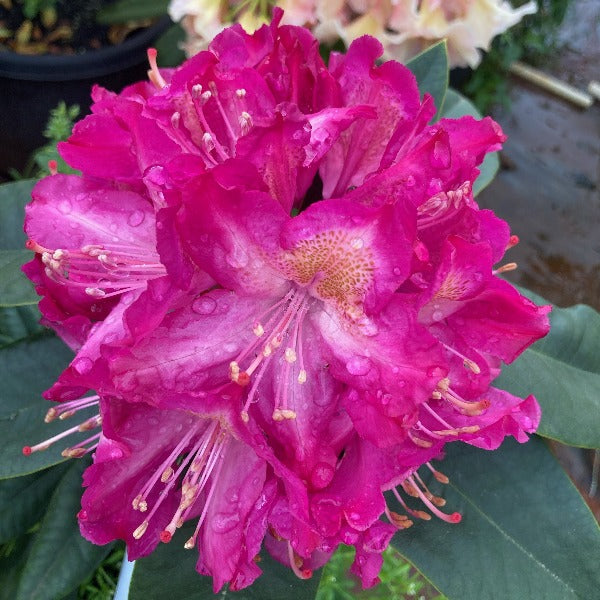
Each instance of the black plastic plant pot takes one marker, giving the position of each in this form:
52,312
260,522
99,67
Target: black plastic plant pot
30,86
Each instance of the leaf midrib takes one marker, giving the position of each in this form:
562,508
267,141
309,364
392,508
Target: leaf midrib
508,537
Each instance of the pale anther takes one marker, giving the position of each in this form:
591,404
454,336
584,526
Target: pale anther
290,355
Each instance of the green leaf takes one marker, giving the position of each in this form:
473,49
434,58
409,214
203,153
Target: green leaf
123,11
13,198
59,557
15,288
169,572
17,323
430,67
26,369
12,560
563,372
525,533
23,501
456,106
169,47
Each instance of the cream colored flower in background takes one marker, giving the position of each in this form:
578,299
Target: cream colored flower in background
405,27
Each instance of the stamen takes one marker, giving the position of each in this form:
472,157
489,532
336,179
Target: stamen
245,122
67,409
86,425
228,127
419,514
398,520
139,502
512,266
469,364
452,518
472,409
80,450
419,441
295,307
437,474
200,462
512,242
141,530
101,271
437,500
216,456
208,142
154,74
296,564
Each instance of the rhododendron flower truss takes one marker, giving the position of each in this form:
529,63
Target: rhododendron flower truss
288,303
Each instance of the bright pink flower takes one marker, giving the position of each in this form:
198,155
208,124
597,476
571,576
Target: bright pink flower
310,290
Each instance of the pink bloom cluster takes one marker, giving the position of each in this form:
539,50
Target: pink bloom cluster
276,281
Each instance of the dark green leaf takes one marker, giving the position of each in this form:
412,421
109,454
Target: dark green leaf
15,288
132,10
18,323
430,67
525,533
26,369
563,372
169,572
59,557
13,198
12,560
456,106
23,501
169,47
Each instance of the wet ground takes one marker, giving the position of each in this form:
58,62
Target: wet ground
549,187
549,190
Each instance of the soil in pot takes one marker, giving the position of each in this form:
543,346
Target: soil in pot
33,84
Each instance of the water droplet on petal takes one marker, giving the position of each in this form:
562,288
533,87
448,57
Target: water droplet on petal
440,156
65,207
222,523
358,365
83,365
127,298
136,218
230,347
321,475
437,315
437,372
237,258
205,305
357,243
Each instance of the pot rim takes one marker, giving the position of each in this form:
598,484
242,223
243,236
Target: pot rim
87,65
